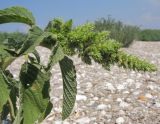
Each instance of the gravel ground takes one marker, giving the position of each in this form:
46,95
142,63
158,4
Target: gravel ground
109,97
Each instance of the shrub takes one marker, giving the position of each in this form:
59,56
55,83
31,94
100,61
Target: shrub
124,34
149,35
63,40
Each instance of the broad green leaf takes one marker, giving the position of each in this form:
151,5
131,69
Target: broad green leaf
31,42
36,104
4,90
16,14
69,86
5,57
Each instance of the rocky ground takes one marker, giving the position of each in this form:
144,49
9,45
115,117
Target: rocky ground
110,97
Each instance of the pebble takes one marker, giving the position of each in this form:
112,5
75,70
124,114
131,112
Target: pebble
157,104
120,87
148,95
123,104
130,80
81,97
84,120
95,98
110,87
101,107
120,120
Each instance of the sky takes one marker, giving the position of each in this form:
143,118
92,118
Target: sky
143,13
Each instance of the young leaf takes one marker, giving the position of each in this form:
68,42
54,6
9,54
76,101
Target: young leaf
35,94
16,14
69,86
31,41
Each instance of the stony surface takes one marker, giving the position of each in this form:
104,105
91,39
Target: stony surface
110,97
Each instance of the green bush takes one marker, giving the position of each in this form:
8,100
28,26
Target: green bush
149,35
122,33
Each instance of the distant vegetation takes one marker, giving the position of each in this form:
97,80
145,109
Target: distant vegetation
149,35
119,31
125,34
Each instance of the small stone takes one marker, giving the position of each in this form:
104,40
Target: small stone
58,109
157,104
81,97
120,87
95,98
121,112
130,80
142,98
58,122
150,87
103,112
126,92
61,122
120,120
138,85
139,75
110,87
148,95
136,93
84,120
101,107
119,100
91,103
123,104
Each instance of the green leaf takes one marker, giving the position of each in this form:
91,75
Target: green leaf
4,91
6,61
69,86
16,14
31,42
36,104
56,55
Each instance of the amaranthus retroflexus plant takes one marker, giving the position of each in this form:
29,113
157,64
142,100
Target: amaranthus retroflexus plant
32,88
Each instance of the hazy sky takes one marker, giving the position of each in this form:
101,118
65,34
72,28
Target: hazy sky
144,13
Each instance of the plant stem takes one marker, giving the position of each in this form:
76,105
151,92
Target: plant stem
11,108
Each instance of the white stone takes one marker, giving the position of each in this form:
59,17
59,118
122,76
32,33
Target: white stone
126,92
58,109
157,104
81,97
61,122
123,104
139,75
121,112
120,120
103,112
95,98
91,103
84,120
120,87
148,95
151,87
110,87
89,85
119,100
130,80
138,85
58,122
101,107
136,93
